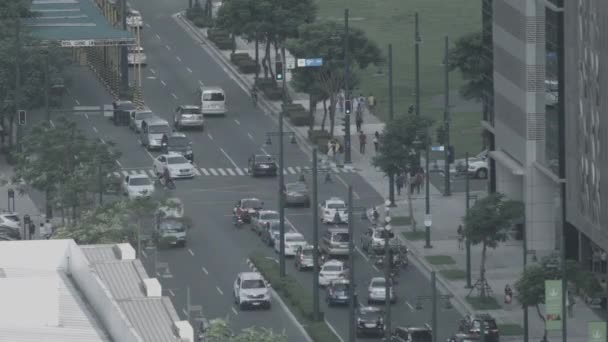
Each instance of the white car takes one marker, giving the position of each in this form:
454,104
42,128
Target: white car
136,56
138,185
292,242
10,220
134,19
250,289
174,208
376,291
330,207
178,166
332,270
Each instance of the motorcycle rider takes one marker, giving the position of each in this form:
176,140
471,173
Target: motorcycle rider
375,215
168,181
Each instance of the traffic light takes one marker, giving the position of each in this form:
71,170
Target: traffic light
450,154
348,106
279,70
410,109
346,124
22,117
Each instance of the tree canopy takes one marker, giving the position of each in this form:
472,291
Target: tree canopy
399,141
474,60
219,331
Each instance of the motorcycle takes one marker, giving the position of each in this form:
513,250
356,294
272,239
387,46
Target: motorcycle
237,220
167,184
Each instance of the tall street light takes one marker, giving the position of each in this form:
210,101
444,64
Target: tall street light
446,119
347,144
427,218
434,297
391,176
387,275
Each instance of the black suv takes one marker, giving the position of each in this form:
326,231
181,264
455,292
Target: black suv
412,334
178,143
370,321
472,325
262,164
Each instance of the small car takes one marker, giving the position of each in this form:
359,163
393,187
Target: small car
138,185
376,291
334,242
137,56
370,321
269,232
296,194
122,112
374,239
134,19
471,324
248,207
304,257
171,231
250,290
332,270
412,334
178,166
10,219
177,143
138,116
188,116
152,131
174,208
338,292
293,240
262,164
333,210
261,218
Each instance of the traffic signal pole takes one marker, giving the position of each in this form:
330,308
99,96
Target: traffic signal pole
347,154
446,121
391,176
352,330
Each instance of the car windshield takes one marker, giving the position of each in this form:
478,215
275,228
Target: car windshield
143,115
422,336
340,237
191,110
336,205
332,268
294,238
213,97
340,287
158,129
378,283
264,159
490,324
252,284
296,187
140,181
381,234
176,160
369,313
251,203
307,251
172,226
179,141
269,216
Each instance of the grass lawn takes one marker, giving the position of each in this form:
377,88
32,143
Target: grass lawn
489,303
510,329
453,274
414,236
392,21
440,260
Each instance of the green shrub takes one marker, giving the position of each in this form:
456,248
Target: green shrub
300,118
273,94
322,144
224,44
195,12
248,66
202,21
215,34
314,134
293,107
263,83
238,56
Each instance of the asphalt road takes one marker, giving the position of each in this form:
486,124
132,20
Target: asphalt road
217,251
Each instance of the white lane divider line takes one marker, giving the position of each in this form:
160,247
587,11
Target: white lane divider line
230,172
213,172
178,59
210,136
189,70
125,173
152,71
239,171
174,96
143,253
103,141
219,290
356,195
190,251
291,170
157,36
362,254
221,171
171,292
237,122
152,174
163,83
86,115
77,102
250,136
263,150
227,156
204,171
168,47
185,312
205,270
409,305
95,129
234,311
285,172
147,25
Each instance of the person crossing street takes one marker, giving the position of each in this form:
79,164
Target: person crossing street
362,142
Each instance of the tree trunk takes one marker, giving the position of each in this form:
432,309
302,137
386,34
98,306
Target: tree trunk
269,66
324,114
482,269
233,43
411,207
11,121
312,106
266,59
332,114
542,317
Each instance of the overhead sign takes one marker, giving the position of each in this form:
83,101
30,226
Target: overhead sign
290,63
77,43
597,331
310,62
437,148
553,304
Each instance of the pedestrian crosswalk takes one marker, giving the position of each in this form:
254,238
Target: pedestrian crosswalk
229,172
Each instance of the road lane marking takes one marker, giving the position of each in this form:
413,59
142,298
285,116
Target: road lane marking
250,136
362,254
189,70
291,170
409,305
179,59
157,36
185,312
376,268
356,195
205,172
163,83
331,327
77,102
263,150
171,293
95,129
125,173
102,141
201,83
239,171
174,96
190,251
227,156
210,136
147,25
196,172
144,254
205,270
213,172
86,115
237,122
230,172
168,47
152,71
221,171
234,311
52,123
119,164
219,290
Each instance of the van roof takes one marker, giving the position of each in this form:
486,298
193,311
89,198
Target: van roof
156,121
212,89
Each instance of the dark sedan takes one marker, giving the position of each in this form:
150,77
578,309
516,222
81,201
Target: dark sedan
296,194
412,334
262,165
370,321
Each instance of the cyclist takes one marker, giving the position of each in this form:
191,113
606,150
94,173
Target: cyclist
254,95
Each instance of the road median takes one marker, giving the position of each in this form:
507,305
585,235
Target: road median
298,300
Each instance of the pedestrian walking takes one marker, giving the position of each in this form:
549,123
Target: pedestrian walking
570,301
359,121
376,141
603,261
419,181
341,101
362,142
508,294
334,150
32,230
412,182
460,232
400,182
361,101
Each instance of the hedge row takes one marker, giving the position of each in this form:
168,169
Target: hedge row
221,39
244,62
297,114
297,298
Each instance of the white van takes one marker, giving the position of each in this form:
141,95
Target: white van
213,101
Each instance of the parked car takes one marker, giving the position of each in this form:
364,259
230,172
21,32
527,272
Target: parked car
262,164
188,116
177,143
261,218
138,185
251,290
412,334
296,194
370,321
334,242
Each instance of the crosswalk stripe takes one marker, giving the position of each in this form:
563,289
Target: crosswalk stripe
117,174
125,173
213,172
335,170
205,172
221,171
151,173
285,172
298,169
230,172
239,171
196,171
291,170
246,169
236,171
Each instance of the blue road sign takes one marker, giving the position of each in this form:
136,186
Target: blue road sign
313,62
437,148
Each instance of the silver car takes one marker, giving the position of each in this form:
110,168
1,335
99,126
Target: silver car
188,116
138,117
152,132
376,292
296,194
263,218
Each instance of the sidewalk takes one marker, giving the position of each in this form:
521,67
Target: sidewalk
504,264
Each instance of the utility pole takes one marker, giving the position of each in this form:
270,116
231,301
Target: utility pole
188,303
124,61
352,333
46,88
417,42
468,199
446,120
427,219
315,236
525,246
18,83
281,197
347,156
387,278
434,303
391,114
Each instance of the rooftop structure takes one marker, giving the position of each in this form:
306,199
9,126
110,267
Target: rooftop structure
55,290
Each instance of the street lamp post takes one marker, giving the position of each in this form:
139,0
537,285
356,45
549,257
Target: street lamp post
427,219
446,119
468,199
391,176
434,297
351,272
387,276
347,144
